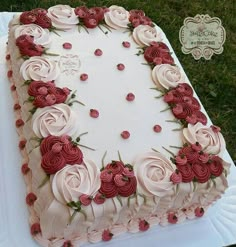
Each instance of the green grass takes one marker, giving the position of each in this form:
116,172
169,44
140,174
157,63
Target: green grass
214,80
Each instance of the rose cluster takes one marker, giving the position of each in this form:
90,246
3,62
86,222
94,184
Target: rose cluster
27,47
57,152
46,93
137,17
184,106
90,17
117,179
37,16
196,165
158,53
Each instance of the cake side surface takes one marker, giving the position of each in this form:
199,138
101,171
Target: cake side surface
94,135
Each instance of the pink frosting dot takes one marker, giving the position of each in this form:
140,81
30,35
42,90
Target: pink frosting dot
67,45
98,52
157,128
94,113
83,77
126,44
130,97
125,134
120,66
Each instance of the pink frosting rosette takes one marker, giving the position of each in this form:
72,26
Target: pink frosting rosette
62,16
41,35
209,138
167,76
39,69
71,182
153,171
117,17
55,120
143,35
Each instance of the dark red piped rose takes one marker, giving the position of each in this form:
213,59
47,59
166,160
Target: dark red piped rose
72,154
52,163
108,189
216,166
201,172
129,187
186,172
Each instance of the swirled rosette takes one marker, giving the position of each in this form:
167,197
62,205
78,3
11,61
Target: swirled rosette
143,35
57,120
167,76
71,182
153,171
39,69
117,17
62,17
210,138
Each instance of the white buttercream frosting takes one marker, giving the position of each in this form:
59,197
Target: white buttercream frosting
57,120
62,16
167,76
39,69
153,171
117,17
41,35
143,35
72,181
211,141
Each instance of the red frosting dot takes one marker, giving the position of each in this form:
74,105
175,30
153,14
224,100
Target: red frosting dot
25,168
126,44
17,107
157,128
35,229
83,77
98,52
67,244
9,73
125,134
13,87
19,123
94,113
130,97
22,144
67,45
31,198
8,57
120,66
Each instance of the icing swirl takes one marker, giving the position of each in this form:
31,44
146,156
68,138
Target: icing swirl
153,171
167,76
41,36
117,17
211,141
56,120
39,69
62,16
73,181
143,35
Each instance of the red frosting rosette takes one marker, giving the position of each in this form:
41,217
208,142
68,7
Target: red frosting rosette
158,53
183,105
137,17
57,152
194,164
117,180
37,16
47,94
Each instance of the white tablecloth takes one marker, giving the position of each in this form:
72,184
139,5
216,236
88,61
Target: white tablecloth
217,228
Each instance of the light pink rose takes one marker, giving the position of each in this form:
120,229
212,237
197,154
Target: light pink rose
73,181
62,16
39,69
56,120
